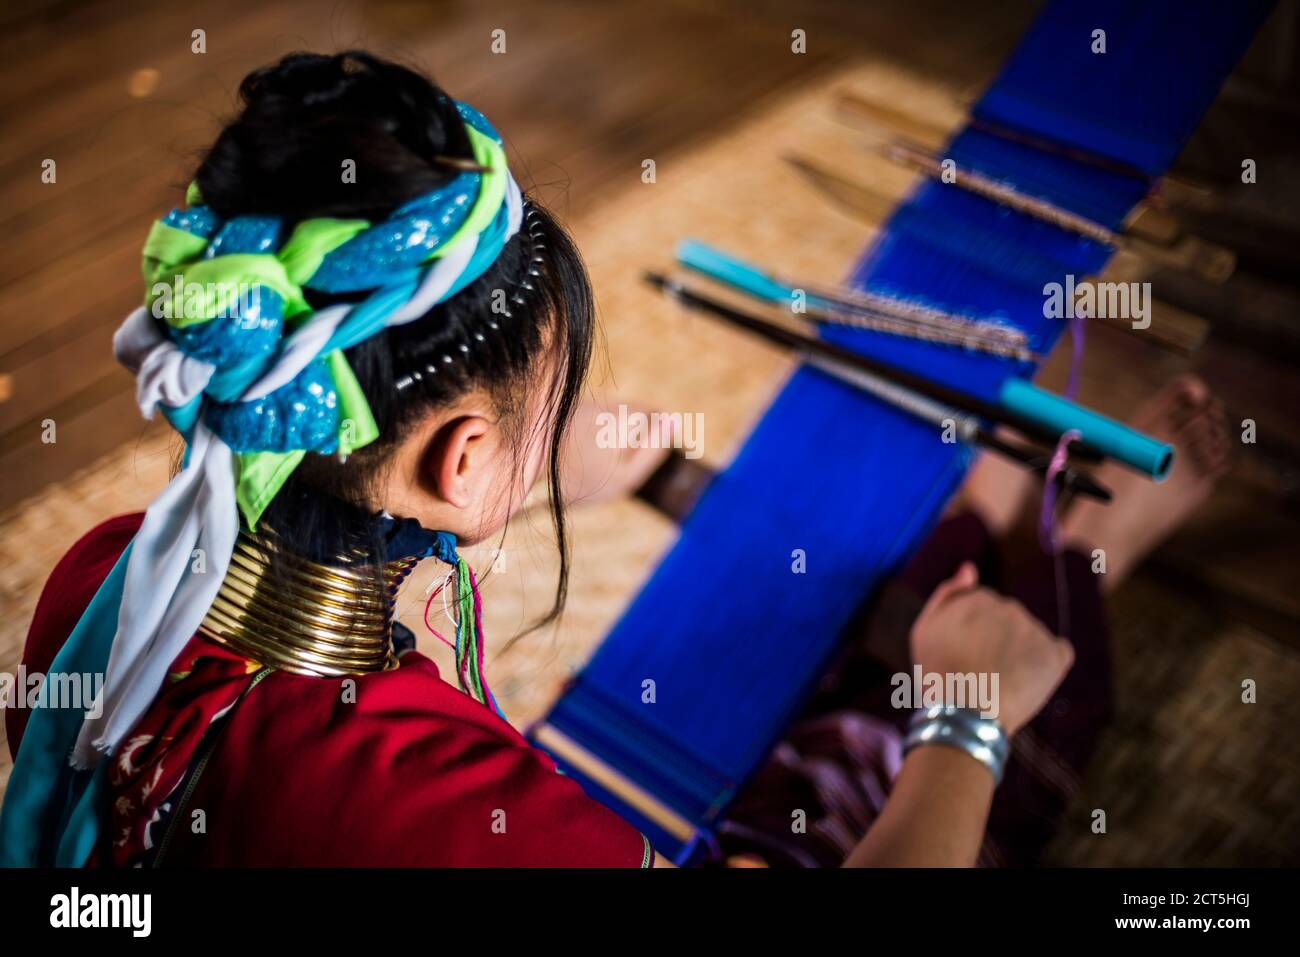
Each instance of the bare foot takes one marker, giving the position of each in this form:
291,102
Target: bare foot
593,469
1144,513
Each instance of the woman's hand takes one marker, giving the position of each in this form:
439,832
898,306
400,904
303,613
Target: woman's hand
939,804
967,629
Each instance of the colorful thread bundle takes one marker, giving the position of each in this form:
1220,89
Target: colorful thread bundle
469,642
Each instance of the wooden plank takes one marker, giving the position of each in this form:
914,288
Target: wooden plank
97,420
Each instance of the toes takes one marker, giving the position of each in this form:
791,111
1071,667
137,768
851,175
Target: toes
1190,400
1220,448
1186,391
1192,388
1214,411
1205,439
1200,449
1180,399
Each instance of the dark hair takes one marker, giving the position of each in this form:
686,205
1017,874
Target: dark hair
283,154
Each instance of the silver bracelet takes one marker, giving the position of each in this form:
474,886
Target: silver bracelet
962,728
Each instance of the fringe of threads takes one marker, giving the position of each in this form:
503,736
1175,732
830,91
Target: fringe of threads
469,638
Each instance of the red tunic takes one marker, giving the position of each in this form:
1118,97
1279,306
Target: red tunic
407,771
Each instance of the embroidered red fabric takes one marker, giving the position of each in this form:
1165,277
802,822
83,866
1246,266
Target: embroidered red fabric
396,768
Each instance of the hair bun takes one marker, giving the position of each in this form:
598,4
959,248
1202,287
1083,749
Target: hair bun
310,118
308,79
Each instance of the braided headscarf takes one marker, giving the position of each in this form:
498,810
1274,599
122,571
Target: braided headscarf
229,349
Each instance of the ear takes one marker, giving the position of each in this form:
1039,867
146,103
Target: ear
457,458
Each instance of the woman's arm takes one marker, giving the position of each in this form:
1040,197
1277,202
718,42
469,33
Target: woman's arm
935,815
934,818
939,804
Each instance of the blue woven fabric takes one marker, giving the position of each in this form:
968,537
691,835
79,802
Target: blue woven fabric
1138,102
733,639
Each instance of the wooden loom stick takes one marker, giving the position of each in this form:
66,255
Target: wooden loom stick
1211,262
613,781
862,308
1145,221
909,154
1149,219
923,333
1180,331
928,401
773,311
1174,329
840,304
1171,189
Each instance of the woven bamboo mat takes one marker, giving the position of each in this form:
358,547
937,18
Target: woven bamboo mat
1184,774
1187,773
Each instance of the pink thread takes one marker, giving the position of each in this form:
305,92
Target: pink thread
478,631
1047,530
1048,535
463,661
1076,356
427,605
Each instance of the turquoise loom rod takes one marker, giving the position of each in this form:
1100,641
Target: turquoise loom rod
723,267
1055,413
1104,434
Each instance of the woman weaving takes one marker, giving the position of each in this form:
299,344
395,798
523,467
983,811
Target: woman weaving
409,362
